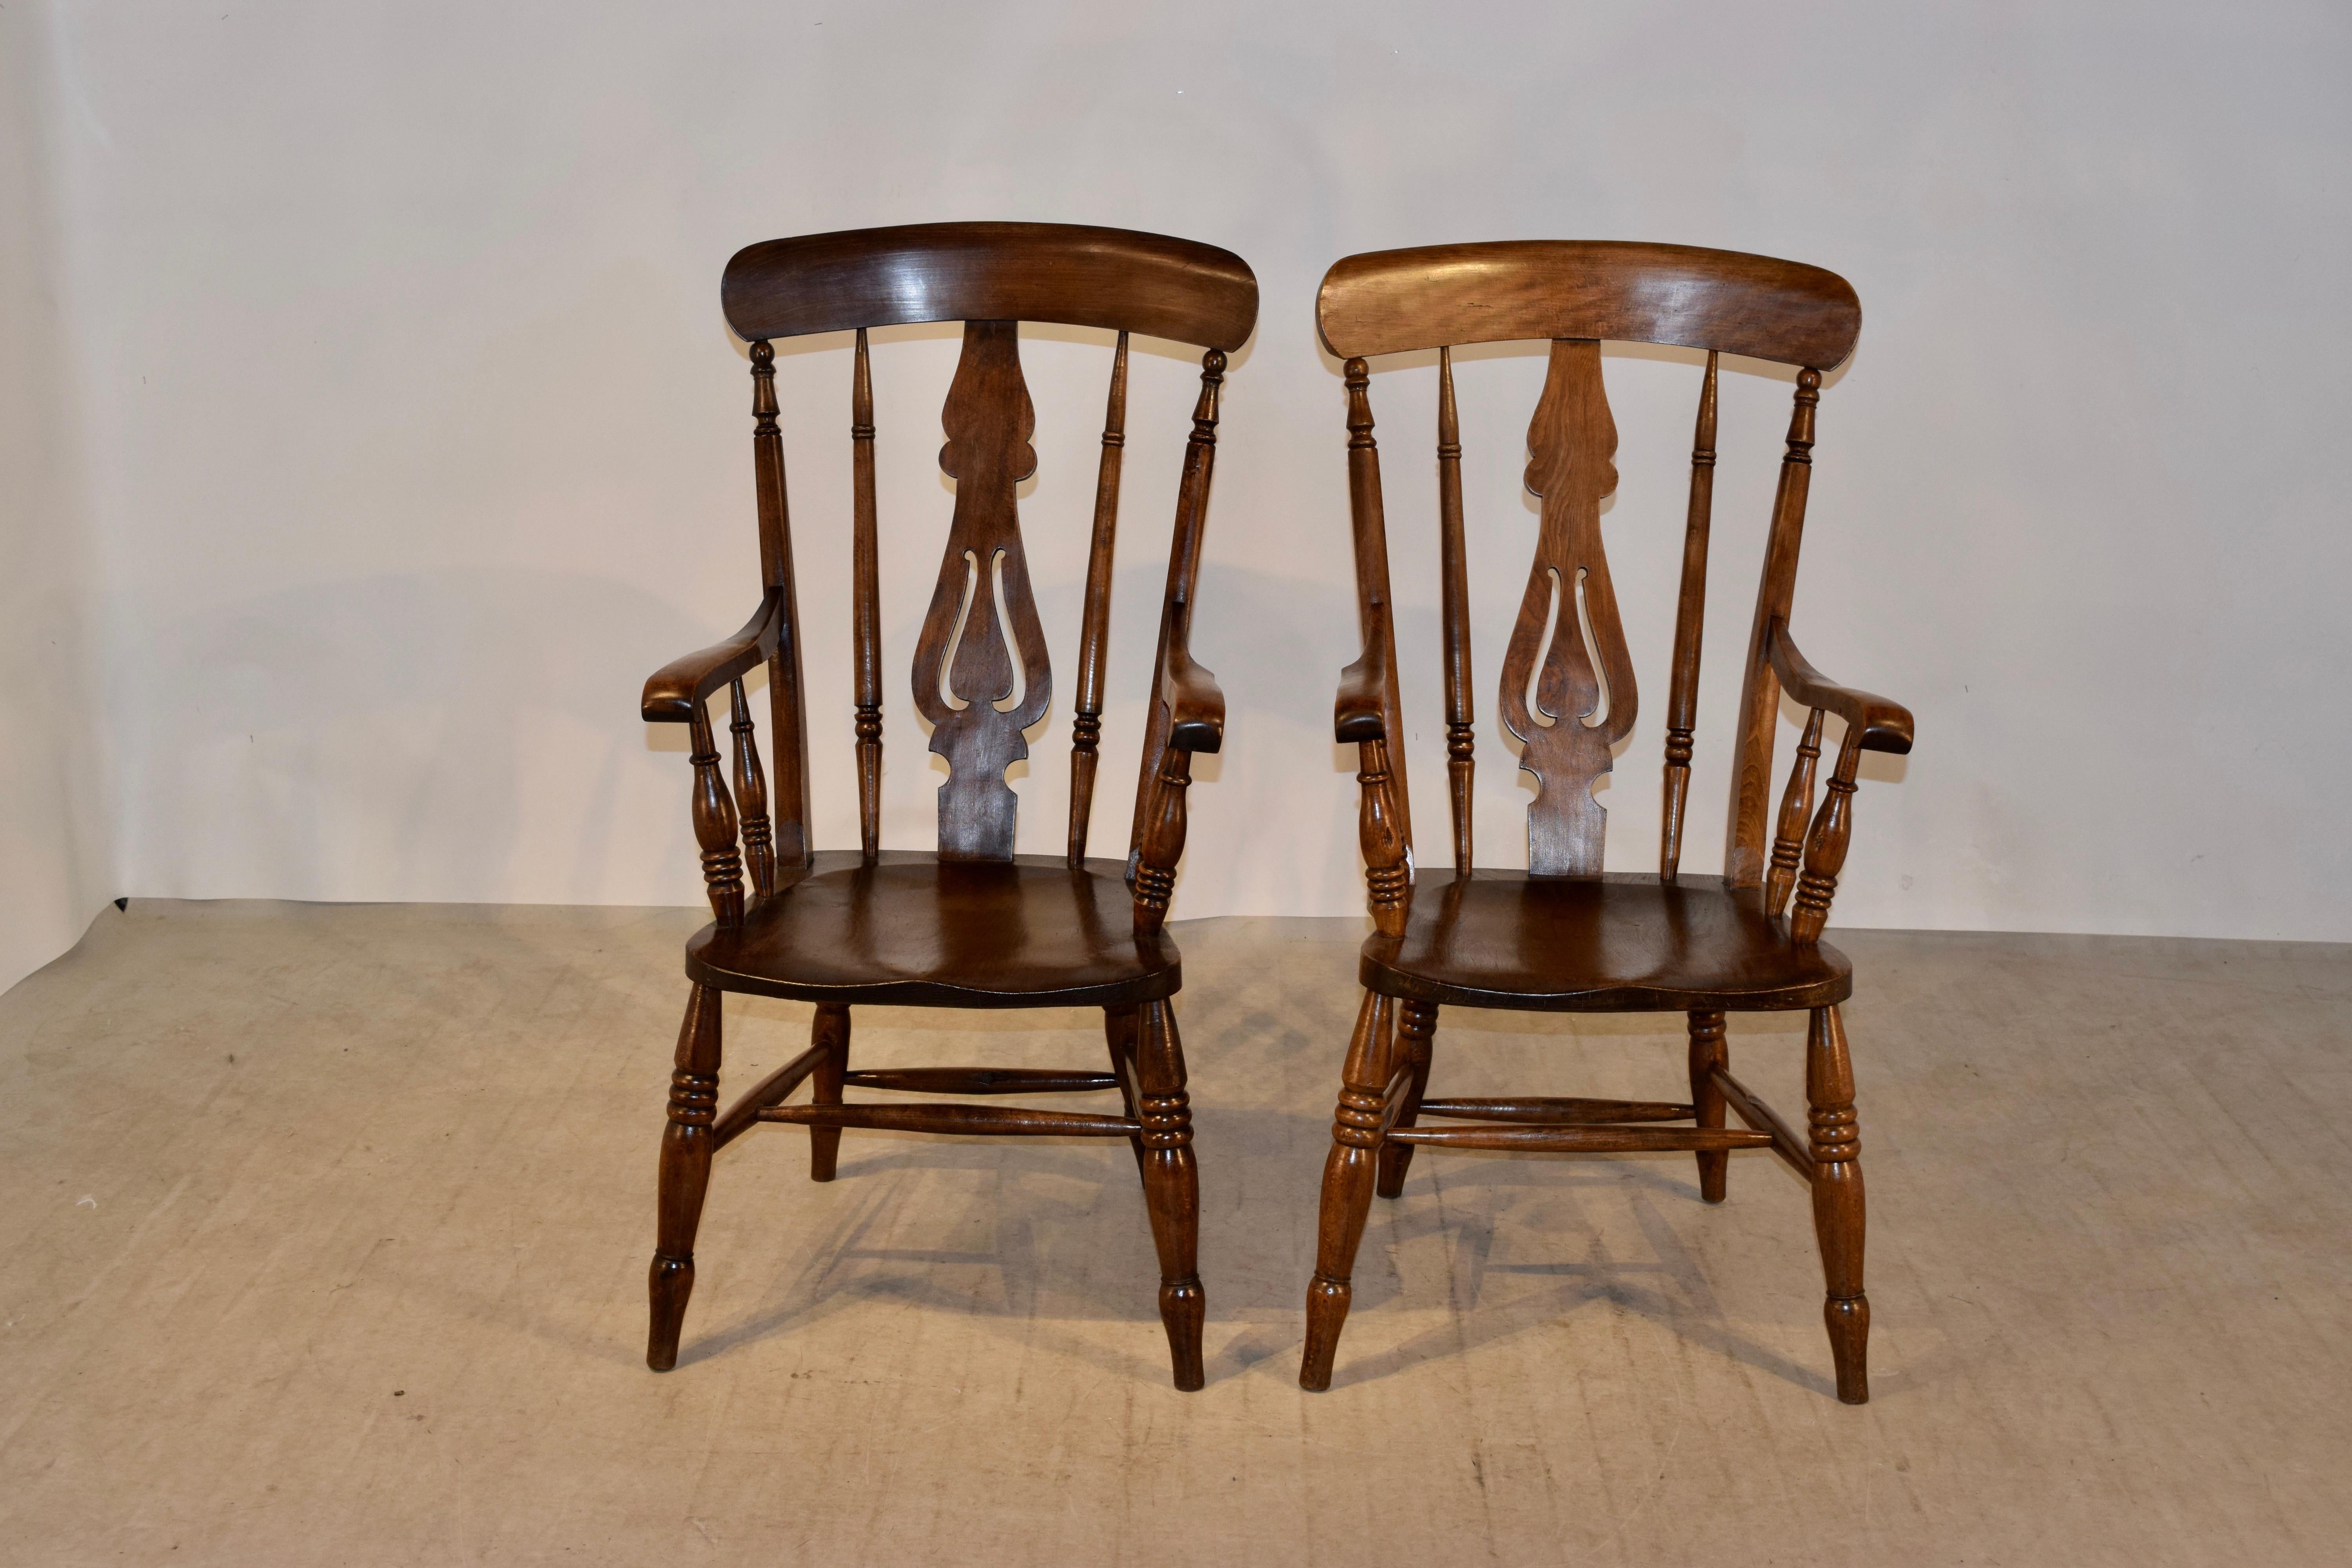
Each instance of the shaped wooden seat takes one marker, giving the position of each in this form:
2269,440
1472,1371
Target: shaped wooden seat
1624,943
911,929
970,924
1563,935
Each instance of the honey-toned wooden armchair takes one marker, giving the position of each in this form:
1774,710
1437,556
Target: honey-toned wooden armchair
967,924
1563,935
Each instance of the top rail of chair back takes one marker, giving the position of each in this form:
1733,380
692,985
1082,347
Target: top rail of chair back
1077,275
1436,296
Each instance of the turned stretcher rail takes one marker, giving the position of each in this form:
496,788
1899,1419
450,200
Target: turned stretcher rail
969,1120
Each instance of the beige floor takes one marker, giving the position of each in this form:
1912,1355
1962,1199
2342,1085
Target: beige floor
323,1235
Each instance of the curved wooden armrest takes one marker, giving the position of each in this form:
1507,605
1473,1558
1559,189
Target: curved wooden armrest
1884,725
1196,707
1361,712
679,687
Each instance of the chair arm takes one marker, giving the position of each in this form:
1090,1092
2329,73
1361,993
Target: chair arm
678,689
1884,725
1196,707
1361,711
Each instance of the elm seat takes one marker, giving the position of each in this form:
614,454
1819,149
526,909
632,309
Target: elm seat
1622,942
911,929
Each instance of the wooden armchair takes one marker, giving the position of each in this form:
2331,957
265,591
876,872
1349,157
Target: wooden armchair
1564,936
970,924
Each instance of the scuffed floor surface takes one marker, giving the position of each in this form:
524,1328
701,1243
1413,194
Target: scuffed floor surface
323,1235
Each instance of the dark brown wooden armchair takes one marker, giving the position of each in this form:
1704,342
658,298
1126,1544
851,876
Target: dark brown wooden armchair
1564,936
970,924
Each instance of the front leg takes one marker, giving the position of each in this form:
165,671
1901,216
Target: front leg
1348,1177
1171,1187
1837,1200
686,1150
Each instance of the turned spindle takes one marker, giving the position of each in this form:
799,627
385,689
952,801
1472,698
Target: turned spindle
1690,621
1461,735
865,613
1796,813
714,824
1745,849
1825,847
1094,630
752,796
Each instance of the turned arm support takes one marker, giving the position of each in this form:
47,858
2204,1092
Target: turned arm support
1360,717
676,690
732,840
1872,724
1884,725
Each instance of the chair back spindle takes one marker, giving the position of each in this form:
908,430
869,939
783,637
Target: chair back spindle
1744,859
1690,625
1166,768
1086,725
786,709
867,605
1454,568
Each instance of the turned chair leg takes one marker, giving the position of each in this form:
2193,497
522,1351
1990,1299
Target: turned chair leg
1416,1022
1837,1200
1348,1177
1119,1033
831,1031
686,1150
1171,1186
1709,1053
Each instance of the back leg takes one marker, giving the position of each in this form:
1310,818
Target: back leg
686,1149
830,1030
1171,1187
1119,1033
1709,1053
1416,1022
1837,1200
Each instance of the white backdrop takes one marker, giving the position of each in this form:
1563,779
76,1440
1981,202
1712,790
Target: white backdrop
407,438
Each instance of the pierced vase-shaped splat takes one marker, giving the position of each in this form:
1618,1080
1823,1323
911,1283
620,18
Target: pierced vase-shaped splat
981,672
1568,645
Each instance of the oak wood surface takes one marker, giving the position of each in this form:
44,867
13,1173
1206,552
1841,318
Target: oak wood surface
1068,273
908,928
1622,942
1393,301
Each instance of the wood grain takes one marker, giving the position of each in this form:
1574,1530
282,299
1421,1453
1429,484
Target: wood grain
1393,301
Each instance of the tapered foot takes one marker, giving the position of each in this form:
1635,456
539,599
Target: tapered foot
1849,1325
1327,1314
667,1286
1184,1314
1709,1053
